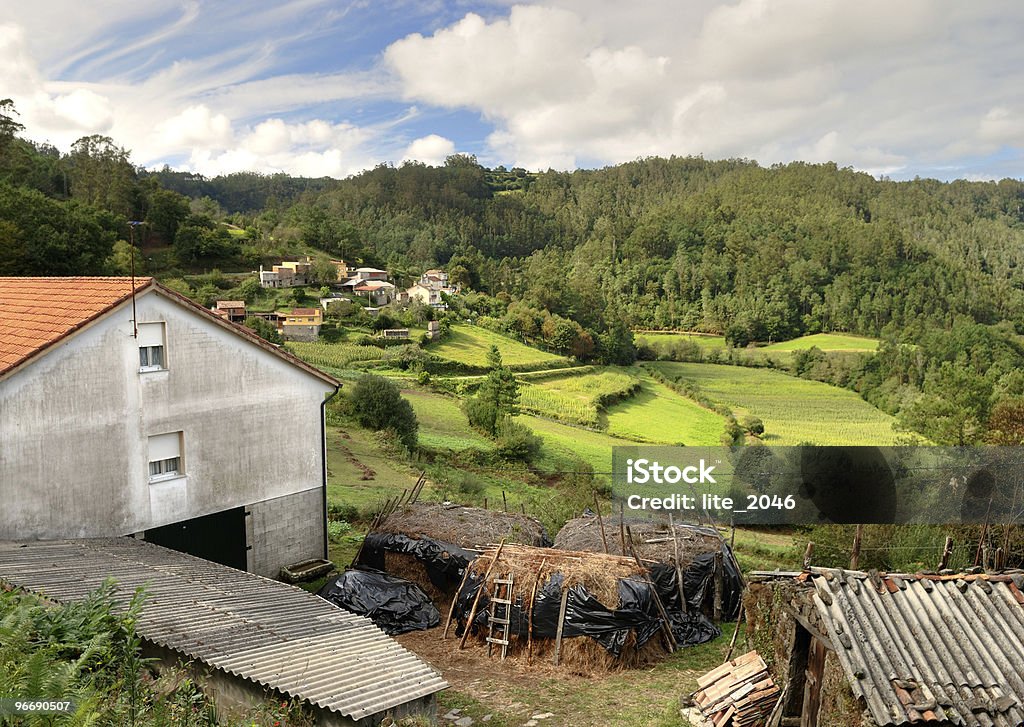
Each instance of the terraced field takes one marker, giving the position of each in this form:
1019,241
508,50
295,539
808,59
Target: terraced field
826,342
576,399
469,345
659,415
442,423
661,338
793,410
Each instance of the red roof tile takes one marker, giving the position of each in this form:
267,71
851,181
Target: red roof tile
37,312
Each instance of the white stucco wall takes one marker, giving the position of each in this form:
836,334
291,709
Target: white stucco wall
74,428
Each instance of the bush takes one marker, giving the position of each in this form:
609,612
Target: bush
378,404
482,414
264,330
753,425
337,529
517,442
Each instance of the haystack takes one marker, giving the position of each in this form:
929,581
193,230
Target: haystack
712,578
652,540
431,544
634,630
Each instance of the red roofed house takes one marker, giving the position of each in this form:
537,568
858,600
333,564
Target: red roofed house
149,415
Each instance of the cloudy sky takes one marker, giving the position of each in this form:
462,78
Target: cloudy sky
916,87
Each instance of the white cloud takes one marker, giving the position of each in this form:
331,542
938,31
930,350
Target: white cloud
431,150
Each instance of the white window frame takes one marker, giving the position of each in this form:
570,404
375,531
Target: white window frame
152,339
167,462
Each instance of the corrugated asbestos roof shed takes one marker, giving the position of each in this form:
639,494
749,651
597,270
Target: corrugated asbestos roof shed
928,648
270,633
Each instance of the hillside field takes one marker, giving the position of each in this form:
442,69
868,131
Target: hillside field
827,342
469,345
793,410
656,414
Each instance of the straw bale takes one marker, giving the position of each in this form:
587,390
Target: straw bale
584,533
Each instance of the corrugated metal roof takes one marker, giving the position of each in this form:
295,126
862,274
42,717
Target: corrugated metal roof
267,632
928,648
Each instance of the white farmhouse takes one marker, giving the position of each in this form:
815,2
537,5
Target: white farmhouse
130,410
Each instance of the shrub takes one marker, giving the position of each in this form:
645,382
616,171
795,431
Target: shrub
378,404
264,330
753,425
517,442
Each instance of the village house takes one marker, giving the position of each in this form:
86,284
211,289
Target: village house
372,284
302,324
230,310
430,288
288,274
877,649
130,410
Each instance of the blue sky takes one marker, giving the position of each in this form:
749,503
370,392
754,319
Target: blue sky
314,87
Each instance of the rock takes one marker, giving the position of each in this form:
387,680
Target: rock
543,715
453,715
486,718
531,723
464,722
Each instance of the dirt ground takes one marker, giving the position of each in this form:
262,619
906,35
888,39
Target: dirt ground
514,693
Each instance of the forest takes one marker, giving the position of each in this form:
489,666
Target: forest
574,262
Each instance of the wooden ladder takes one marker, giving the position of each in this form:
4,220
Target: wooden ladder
499,615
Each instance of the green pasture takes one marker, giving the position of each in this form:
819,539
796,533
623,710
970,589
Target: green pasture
469,345
827,342
793,410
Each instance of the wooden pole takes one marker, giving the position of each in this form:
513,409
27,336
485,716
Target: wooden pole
529,615
719,586
855,555
732,641
984,532
600,521
485,503
561,620
666,627
947,551
622,530
451,611
480,590
522,506
679,569
808,555
504,501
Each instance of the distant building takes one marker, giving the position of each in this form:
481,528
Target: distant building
433,329
342,267
396,334
302,324
371,274
288,274
231,310
132,410
430,289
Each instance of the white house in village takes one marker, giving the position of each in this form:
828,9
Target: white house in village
430,288
134,411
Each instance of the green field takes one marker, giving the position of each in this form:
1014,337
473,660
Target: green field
469,345
826,342
575,399
563,444
793,410
659,415
442,423
334,355
706,341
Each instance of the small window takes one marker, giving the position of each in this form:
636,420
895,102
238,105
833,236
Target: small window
165,460
151,347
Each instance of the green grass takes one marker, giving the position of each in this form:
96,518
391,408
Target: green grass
659,415
442,423
564,444
793,410
469,345
827,342
576,399
706,341
345,478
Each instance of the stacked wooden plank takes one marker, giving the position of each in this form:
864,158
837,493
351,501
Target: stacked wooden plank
738,693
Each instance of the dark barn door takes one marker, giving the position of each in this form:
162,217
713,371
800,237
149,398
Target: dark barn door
219,537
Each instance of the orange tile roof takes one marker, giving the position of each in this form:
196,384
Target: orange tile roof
35,313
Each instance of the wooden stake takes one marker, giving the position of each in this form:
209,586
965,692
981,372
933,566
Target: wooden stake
476,599
622,530
600,521
504,501
719,586
679,569
522,506
808,555
529,615
485,503
666,627
561,620
947,551
732,641
855,555
451,611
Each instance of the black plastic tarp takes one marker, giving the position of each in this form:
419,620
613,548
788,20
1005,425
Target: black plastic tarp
444,562
394,604
586,616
